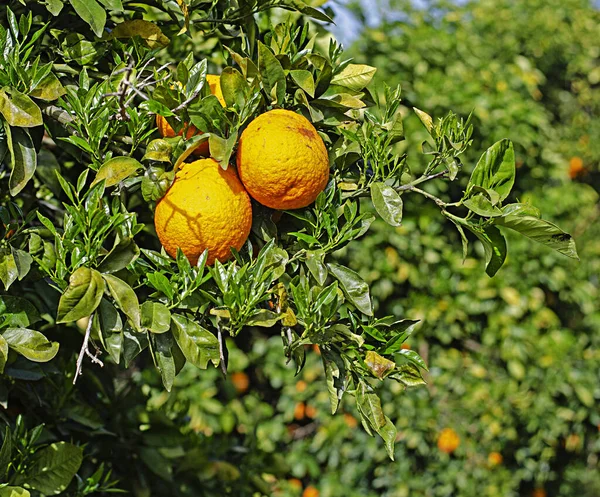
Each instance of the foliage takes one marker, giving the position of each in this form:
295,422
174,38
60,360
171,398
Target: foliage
79,263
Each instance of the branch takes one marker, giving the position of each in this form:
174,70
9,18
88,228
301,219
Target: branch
86,351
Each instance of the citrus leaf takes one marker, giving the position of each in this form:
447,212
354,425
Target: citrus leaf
335,376
233,86
149,32
197,343
17,312
92,13
271,73
156,317
304,79
115,170
425,119
3,359
162,354
541,231
82,296
54,6
158,150
23,158
379,366
495,169
120,256
48,89
8,268
387,203
354,76
14,492
30,344
19,110
125,298
494,246
481,205
264,318
52,468
354,287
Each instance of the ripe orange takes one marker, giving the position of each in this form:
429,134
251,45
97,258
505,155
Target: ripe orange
311,411
282,160
575,167
448,441
240,381
166,130
299,411
301,386
205,208
350,421
538,492
310,491
495,459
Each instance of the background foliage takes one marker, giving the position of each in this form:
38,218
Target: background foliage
513,360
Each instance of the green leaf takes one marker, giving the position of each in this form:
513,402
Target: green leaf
197,343
413,357
92,13
221,149
121,255
379,366
541,231
233,86
369,407
115,170
82,296
158,150
354,287
264,318
14,492
335,376
425,119
19,110
52,468
304,79
316,266
495,169
125,298
48,89
149,32
387,203
409,375
354,76
156,182
8,268
156,317
17,312
271,73
133,344
30,344
163,358
113,4
494,246
5,453
23,159
54,6
482,206
3,359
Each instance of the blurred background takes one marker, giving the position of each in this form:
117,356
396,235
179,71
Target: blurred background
511,408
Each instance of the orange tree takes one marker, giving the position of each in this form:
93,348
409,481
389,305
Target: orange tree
86,283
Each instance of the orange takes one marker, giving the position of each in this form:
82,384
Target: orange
205,208
282,160
240,381
299,411
575,167
448,441
301,386
350,421
538,492
405,346
495,458
311,412
310,491
166,130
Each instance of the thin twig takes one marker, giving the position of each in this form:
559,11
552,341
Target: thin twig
186,103
221,351
85,351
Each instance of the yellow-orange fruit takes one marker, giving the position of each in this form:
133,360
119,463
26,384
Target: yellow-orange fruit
448,441
296,483
495,458
214,82
205,208
282,161
538,492
575,167
310,491
299,411
240,381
